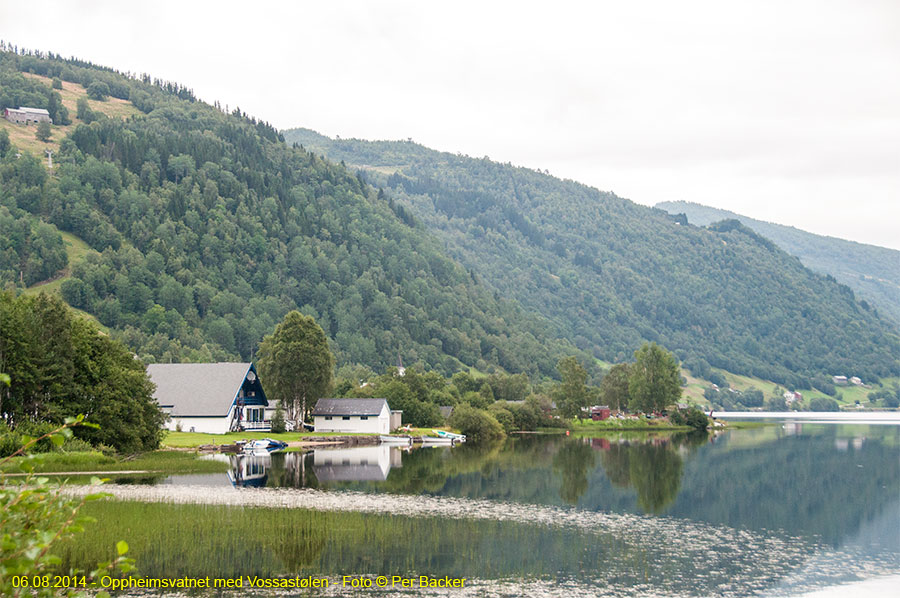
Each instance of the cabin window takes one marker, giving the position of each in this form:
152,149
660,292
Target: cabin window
328,417
346,418
363,417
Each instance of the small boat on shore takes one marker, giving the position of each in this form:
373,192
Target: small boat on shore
450,435
396,440
264,445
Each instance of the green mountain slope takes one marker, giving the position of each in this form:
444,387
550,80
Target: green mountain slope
208,229
611,273
872,272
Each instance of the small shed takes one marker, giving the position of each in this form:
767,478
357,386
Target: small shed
600,413
352,415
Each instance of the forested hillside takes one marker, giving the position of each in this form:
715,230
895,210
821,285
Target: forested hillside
612,273
872,272
207,229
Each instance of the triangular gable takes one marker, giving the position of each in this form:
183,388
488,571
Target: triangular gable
198,389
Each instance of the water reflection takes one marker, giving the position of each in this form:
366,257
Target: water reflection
818,480
357,464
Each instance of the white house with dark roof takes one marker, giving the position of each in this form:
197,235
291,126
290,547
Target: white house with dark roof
352,415
210,397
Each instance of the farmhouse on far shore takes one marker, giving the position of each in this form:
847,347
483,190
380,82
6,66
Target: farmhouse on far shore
26,116
355,415
210,397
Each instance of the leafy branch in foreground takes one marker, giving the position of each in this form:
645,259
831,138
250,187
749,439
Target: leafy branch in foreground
36,515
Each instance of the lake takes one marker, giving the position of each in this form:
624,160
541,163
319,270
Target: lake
789,509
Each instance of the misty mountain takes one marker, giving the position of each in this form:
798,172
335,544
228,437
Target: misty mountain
612,274
872,272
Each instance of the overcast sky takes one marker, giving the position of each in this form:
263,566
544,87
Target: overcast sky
786,111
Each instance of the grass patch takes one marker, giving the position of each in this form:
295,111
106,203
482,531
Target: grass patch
23,137
112,107
195,439
156,461
639,423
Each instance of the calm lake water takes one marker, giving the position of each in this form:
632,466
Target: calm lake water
781,510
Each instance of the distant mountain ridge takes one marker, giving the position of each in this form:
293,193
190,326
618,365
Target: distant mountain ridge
613,274
872,272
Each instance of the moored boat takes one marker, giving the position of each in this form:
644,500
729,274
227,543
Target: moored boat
398,440
451,435
266,445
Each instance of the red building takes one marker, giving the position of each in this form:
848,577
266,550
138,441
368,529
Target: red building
599,413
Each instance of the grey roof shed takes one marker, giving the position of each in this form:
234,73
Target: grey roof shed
349,406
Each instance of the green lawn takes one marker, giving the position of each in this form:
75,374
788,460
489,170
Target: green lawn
195,439
639,423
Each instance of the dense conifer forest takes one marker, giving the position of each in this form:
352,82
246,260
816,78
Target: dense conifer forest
872,272
612,273
206,228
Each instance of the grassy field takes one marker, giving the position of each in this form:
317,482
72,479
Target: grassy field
23,137
637,423
156,461
195,439
70,92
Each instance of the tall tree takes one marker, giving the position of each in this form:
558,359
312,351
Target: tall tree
296,364
655,381
60,365
572,393
614,386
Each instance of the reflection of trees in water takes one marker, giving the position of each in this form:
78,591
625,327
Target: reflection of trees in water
653,469
572,463
300,545
292,470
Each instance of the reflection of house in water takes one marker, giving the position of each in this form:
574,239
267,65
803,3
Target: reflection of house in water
792,428
249,471
355,464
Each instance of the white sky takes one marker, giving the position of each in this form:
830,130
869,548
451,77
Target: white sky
783,110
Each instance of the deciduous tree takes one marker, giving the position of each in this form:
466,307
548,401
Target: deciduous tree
654,382
296,365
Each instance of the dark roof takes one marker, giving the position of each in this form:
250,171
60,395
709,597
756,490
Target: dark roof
198,389
349,406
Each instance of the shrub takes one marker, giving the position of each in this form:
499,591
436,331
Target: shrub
692,417
37,515
98,90
278,425
476,424
77,445
503,416
823,404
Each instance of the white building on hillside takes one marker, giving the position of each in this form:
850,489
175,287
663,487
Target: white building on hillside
26,116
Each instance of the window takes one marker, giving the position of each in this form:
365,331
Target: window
363,417
346,418
328,417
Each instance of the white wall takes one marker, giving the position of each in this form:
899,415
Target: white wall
209,425
377,425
